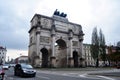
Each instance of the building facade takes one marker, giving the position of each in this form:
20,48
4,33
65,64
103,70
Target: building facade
3,52
89,61
54,41
113,55
21,59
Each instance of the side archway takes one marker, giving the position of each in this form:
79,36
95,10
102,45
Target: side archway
44,57
75,58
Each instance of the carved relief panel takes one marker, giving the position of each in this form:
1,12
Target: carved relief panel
46,23
75,43
61,26
44,39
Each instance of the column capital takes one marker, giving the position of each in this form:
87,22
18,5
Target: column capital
80,40
69,38
38,32
53,35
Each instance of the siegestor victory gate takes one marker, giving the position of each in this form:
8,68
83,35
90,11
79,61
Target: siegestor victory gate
54,41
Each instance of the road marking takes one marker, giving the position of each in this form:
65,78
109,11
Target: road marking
106,77
43,77
83,75
69,75
86,76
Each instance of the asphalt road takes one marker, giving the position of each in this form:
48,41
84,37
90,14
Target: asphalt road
60,75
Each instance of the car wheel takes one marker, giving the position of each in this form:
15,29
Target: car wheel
21,74
2,76
33,75
15,73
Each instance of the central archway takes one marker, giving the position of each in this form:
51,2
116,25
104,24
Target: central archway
44,57
61,51
61,43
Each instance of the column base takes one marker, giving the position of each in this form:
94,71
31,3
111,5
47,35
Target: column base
70,62
53,62
81,62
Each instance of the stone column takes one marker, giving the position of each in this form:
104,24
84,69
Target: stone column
53,58
80,58
71,48
38,39
53,45
81,50
37,60
70,60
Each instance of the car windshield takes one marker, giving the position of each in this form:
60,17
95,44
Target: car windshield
6,65
26,66
0,67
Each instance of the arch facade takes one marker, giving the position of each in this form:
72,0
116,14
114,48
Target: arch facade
56,41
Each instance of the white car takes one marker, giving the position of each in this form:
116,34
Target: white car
6,66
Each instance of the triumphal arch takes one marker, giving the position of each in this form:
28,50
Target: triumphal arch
54,41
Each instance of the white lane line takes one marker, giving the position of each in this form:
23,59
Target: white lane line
86,76
83,75
108,78
43,77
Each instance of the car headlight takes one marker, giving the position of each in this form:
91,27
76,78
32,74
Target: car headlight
25,70
34,70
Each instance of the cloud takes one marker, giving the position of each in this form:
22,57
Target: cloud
105,15
14,23
15,18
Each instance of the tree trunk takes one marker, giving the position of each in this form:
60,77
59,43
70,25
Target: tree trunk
97,63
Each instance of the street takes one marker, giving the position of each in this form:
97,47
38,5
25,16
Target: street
63,75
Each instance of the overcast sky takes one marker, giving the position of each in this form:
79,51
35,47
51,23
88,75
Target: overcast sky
15,16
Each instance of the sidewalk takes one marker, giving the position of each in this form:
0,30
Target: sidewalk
112,72
75,69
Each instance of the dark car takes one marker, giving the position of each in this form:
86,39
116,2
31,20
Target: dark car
2,73
118,65
24,70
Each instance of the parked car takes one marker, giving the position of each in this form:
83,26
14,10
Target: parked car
6,66
118,65
24,70
2,73
12,65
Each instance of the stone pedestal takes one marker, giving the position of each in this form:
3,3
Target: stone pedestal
53,62
70,62
81,62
